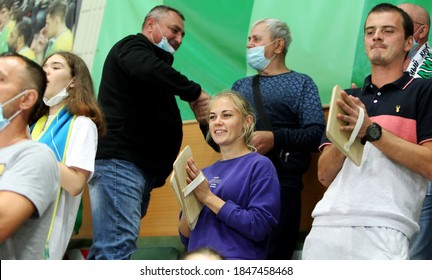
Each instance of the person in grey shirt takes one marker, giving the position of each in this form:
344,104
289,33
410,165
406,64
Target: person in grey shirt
29,175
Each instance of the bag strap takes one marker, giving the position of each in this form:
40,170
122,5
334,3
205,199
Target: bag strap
259,105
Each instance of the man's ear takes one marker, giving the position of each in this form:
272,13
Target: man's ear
424,32
409,43
58,20
281,46
29,99
150,24
21,41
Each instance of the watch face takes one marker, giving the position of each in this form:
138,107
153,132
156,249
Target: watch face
375,133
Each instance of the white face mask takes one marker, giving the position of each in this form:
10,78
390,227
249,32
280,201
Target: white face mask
256,58
164,44
59,97
3,121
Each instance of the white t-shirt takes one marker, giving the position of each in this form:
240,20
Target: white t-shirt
375,199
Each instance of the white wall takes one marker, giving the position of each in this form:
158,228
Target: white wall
87,30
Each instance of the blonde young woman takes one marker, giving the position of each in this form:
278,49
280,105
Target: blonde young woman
241,193
70,124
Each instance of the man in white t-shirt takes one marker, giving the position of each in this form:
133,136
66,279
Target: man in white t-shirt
371,211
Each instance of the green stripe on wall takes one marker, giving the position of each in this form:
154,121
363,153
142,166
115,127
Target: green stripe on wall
212,53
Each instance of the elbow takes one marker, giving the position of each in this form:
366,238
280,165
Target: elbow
323,175
263,232
4,234
424,164
428,174
328,168
424,168
258,236
323,179
78,191
427,169
3,238
75,191
324,182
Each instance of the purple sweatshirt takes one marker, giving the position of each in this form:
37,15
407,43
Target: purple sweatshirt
250,187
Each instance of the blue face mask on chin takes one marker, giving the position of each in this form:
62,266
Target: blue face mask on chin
3,121
164,44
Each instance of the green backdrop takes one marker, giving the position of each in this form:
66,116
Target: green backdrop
327,38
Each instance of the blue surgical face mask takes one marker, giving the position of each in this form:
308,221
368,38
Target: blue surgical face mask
256,57
164,44
413,50
3,121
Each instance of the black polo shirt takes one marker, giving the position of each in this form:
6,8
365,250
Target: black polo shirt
403,107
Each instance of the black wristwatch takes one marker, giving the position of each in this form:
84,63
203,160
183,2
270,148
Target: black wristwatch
373,133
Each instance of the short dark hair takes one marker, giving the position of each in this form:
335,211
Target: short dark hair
25,29
8,4
33,77
406,19
58,8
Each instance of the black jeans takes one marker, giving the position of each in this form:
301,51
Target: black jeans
284,237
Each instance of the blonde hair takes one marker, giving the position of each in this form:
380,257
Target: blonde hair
203,253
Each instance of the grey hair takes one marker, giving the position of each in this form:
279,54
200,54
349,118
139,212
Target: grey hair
160,11
278,29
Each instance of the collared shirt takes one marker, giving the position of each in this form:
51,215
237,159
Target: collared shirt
399,107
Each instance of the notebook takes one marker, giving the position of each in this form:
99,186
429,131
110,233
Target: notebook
189,203
347,142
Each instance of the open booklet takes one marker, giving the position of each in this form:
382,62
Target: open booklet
347,142
189,203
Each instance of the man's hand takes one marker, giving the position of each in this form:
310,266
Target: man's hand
263,141
199,107
350,105
39,45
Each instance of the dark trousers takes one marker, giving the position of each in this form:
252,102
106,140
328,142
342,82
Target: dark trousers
283,238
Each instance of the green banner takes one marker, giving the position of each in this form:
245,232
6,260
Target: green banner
327,38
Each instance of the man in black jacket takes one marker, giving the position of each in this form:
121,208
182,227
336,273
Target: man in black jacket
144,129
